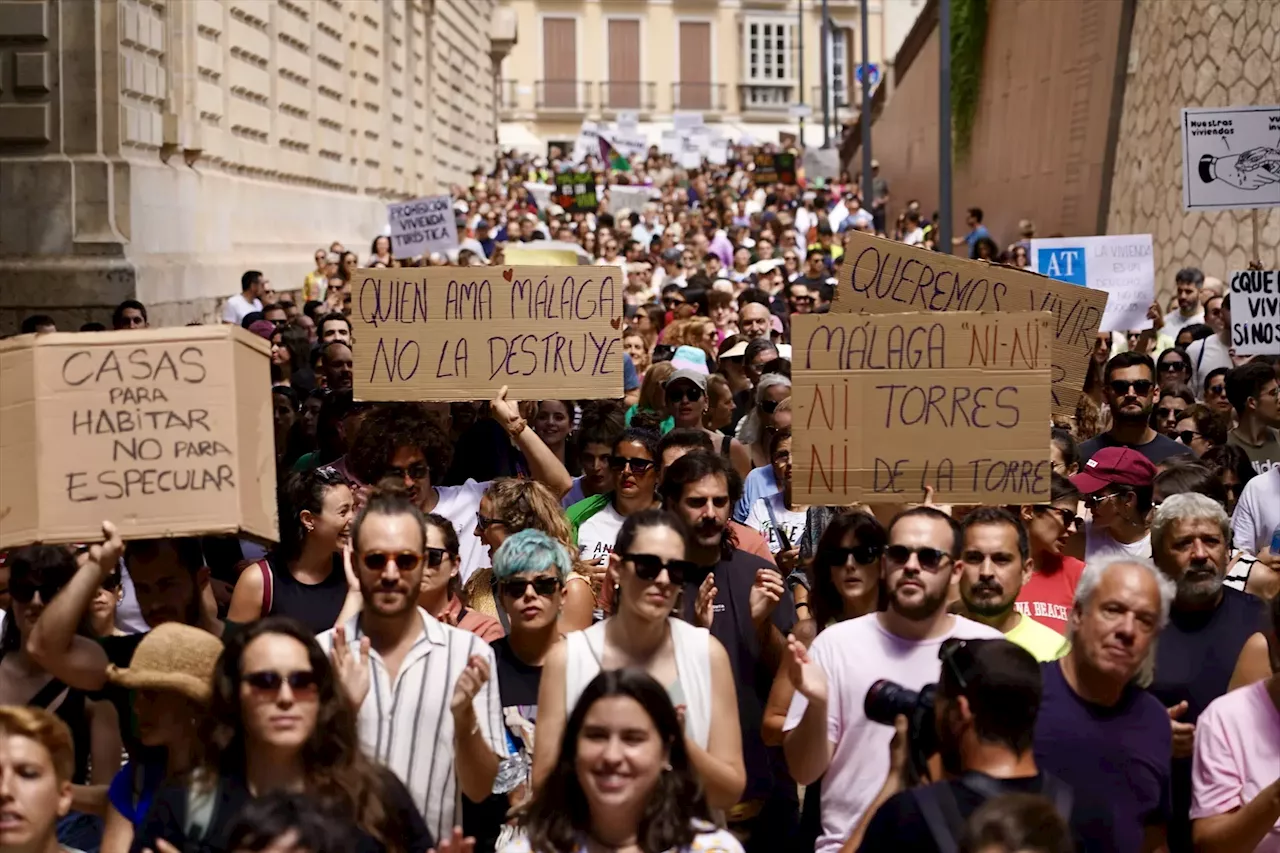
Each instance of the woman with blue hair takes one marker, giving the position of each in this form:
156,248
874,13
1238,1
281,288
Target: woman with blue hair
530,568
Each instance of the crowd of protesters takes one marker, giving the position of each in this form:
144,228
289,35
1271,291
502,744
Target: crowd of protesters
577,626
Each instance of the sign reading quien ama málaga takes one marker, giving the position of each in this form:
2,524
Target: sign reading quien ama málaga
461,333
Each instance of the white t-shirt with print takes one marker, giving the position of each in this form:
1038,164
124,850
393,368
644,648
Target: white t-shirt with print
597,535
1100,545
791,522
460,504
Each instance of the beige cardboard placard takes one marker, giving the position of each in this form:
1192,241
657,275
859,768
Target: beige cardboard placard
887,404
164,432
461,333
886,277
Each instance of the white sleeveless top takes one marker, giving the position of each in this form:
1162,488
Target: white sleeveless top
585,650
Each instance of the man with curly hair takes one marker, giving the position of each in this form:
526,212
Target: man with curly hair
403,444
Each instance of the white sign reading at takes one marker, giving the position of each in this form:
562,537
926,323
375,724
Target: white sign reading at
1255,312
1122,266
1230,158
422,226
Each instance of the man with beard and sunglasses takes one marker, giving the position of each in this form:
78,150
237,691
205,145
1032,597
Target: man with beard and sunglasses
741,598
984,714
827,729
995,562
429,709
1131,393
1209,624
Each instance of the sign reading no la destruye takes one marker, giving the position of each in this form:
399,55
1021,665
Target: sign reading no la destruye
461,333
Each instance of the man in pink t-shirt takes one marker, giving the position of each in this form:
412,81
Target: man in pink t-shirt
1235,772
827,731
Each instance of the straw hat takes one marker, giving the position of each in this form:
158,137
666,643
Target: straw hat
172,657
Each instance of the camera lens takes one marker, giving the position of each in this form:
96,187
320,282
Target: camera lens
886,700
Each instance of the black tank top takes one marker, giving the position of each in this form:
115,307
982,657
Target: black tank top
73,711
315,605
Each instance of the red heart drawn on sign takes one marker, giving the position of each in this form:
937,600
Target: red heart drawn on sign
616,322
507,274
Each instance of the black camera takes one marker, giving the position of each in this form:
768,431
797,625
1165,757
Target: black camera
886,700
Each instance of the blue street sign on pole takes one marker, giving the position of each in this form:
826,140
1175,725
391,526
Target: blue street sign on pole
875,73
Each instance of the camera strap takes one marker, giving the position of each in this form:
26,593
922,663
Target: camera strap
942,812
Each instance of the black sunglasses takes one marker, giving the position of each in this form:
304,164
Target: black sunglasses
950,653
270,681
23,590
1163,412
863,555
1068,517
1218,390
769,406
929,558
515,588
1187,435
691,395
1120,387
1171,366
376,561
648,567
638,466
484,522
435,556
415,472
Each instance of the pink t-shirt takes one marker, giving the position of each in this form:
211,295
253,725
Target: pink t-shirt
1237,755
854,655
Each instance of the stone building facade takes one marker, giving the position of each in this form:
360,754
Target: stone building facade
1212,53
156,149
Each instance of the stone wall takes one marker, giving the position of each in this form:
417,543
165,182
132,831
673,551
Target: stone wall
158,148
1191,53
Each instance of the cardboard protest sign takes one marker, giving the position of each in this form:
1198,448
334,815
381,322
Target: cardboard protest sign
576,192
165,432
1255,312
1122,266
1230,158
777,167
886,277
885,405
422,226
461,333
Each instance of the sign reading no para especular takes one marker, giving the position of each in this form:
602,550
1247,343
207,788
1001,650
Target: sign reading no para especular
461,333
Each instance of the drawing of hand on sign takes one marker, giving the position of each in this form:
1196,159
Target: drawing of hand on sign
1254,169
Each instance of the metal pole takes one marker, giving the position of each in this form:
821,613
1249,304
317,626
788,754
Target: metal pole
826,82
800,63
868,188
944,126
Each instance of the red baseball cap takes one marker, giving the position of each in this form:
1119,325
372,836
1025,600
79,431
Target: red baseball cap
1114,466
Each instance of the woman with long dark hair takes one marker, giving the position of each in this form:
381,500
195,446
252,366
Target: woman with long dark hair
278,721
844,581
622,780
304,577
649,565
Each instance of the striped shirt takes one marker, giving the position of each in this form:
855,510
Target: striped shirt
406,724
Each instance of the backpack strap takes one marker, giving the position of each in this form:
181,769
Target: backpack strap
48,694
202,803
941,814
268,587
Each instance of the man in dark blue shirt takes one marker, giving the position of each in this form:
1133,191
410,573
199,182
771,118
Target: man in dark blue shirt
1208,626
1131,392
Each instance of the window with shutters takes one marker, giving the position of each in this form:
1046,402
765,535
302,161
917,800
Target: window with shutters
768,58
